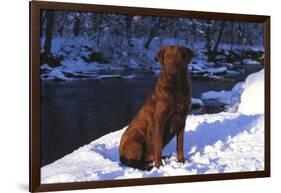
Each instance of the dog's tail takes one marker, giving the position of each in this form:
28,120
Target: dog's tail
136,164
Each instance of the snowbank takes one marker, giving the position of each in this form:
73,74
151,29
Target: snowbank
215,143
247,97
252,99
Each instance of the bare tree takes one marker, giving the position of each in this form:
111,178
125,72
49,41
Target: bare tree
97,20
49,31
160,24
208,36
152,32
62,22
42,22
231,36
129,21
76,28
221,29
212,51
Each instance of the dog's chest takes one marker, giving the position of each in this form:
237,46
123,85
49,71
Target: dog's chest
174,124
177,117
180,105
179,112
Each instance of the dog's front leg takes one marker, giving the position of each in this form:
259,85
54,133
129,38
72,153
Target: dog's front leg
180,133
180,139
160,118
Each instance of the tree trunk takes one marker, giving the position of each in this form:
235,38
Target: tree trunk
240,34
194,32
76,28
129,20
96,22
61,28
148,40
208,37
154,29
49,31
231,38
219,36
211,52
42,22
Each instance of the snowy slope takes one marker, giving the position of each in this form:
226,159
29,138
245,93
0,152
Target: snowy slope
214,143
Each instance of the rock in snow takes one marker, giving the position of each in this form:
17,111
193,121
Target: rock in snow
219,70
231,97
196,103
215,143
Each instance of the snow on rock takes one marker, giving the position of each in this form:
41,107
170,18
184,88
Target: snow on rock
45,67
232,72
209,64
219,70
252,99
108,76
231,97
55,74
114,76
221,96
197,103
250,61
214,143
131,76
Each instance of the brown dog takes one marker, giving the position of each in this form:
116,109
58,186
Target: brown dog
163,114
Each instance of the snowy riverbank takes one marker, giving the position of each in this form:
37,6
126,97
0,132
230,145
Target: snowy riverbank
229,141
79,58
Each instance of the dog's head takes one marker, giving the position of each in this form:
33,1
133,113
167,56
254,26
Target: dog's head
175,59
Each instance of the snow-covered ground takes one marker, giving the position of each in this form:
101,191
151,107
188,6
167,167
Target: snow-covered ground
231,141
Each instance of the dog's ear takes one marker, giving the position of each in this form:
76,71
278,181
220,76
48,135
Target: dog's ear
160,55
188,54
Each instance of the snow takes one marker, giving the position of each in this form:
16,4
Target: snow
107,76
131,76
231,141
113,76
213,77
76,51
252,99
221,96
231,97
55,73
250,61
219,70
46,67
197,102
232,72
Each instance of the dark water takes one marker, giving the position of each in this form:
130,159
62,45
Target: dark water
74,113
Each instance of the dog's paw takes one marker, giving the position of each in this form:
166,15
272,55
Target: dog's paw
182,160
158,164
